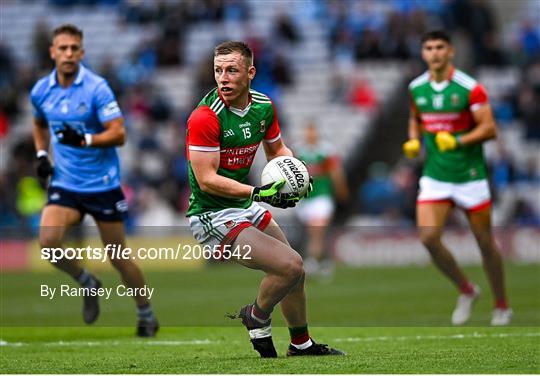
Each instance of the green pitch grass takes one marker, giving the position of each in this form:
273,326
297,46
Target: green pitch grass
388,320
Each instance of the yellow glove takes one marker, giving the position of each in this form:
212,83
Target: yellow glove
446,141
411,148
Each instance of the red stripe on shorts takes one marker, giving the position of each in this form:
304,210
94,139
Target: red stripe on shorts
479,207
231,237
267,217
439,201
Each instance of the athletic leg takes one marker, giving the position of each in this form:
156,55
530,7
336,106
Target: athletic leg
283,268
317,229
293,305
293,308
430,219
480,222
113,232
55,221
283,265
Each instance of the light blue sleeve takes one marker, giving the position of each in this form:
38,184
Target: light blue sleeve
36,109
106,105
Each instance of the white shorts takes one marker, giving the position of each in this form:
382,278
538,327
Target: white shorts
470,196
320,207
222,227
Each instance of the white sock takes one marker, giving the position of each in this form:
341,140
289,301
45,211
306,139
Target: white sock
304,345
261,332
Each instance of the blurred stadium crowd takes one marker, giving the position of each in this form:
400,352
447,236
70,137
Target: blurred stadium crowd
503,51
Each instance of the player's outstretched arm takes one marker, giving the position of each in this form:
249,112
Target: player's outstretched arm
205,165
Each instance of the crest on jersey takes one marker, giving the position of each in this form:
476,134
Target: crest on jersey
82,108
454,99
437,101
263,126
421,101
230,224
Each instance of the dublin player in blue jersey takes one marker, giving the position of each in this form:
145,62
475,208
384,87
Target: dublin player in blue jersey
76,113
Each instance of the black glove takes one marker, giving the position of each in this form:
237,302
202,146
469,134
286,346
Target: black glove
270,194
310,186
70,136
44,167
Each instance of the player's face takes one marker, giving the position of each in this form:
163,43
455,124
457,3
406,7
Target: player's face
233,75
437,54
311,135
67,52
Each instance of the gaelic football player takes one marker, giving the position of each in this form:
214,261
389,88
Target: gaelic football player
316,211
223,134
76,113
452,117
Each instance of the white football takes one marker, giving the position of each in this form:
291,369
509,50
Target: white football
292,170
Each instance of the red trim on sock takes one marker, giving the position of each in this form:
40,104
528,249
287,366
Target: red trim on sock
261,315
501,304
267,217
300,339
467,288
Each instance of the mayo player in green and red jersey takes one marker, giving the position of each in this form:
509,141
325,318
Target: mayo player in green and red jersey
450,111
316,211
223,135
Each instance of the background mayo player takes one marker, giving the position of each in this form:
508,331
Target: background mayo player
451,112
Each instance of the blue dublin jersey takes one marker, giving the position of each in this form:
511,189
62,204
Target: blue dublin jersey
85,105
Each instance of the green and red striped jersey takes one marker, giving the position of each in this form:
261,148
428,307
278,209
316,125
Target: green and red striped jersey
448,106
236,134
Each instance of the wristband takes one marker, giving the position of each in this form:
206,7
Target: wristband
87,139
458,140
42,153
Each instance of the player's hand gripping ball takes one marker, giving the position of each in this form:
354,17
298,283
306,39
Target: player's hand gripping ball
292,170
411,148
270,194
446,141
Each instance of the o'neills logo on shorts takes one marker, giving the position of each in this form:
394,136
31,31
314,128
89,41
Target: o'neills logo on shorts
296,178
239,157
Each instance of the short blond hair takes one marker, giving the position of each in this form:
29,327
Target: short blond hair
231,46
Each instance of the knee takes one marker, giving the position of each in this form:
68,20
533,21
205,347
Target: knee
50,239
293,271
120,264
430,239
